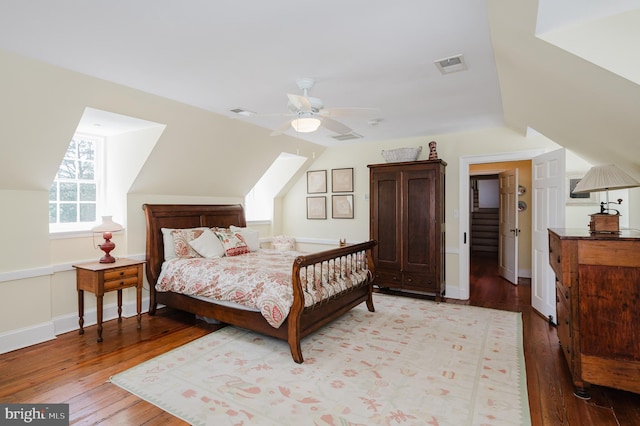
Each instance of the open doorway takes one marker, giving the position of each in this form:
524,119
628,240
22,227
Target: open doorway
488,247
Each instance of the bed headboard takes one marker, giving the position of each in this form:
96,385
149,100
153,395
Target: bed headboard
160,216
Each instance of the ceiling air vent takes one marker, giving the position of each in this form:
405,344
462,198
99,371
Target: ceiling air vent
451,64
244,112
347,137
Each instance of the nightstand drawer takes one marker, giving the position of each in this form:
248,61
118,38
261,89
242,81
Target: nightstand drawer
120,273
120,283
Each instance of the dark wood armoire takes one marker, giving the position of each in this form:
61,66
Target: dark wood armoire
407,202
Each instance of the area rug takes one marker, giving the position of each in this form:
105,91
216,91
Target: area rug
412,362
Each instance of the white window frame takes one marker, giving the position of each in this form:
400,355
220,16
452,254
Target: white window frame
72,228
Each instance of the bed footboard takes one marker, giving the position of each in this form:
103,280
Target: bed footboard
337,280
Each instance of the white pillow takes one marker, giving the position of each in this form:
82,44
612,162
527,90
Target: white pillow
167,239
208,245
169,244
251,238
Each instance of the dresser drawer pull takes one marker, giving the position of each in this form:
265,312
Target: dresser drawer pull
566,295
558,259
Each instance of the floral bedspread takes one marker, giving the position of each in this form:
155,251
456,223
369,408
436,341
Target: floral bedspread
260,280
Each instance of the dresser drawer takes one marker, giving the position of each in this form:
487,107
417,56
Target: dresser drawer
119,273
120,283
555,254
564,327
421,282
387,279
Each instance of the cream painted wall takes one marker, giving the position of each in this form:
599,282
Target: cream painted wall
193,159
450,148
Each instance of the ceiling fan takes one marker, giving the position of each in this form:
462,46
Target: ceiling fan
309,113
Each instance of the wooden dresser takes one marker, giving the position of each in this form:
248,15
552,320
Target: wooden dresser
598,306
407,221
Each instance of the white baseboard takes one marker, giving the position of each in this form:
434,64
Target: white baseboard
452,293
21,338
524,273
27,336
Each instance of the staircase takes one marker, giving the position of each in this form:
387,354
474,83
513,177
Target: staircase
484,230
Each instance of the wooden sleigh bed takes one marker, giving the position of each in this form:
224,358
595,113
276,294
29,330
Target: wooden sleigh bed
301,320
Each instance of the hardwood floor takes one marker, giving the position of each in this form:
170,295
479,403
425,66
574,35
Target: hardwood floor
551,398
74,369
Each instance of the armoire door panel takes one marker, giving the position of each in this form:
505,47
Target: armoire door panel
387,229
418,224
407,220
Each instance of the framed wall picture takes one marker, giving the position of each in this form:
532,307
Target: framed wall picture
316,181
342,180
582,198
317,207
342,206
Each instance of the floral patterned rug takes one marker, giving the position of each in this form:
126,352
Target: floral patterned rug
412,362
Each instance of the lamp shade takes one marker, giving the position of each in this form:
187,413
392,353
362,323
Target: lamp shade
305,124
107,225
603,178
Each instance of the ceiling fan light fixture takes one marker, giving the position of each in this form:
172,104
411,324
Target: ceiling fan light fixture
305,124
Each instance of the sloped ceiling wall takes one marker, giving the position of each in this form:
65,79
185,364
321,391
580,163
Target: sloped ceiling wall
588,109
198,153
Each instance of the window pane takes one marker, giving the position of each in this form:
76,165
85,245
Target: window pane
87,212
68,212
85,170
86,150
87,192
71,153
53,210
67,169
68,191
53,192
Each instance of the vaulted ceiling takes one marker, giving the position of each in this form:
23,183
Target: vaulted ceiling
567,70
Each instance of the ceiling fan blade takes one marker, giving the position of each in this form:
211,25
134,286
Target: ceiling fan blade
300,102
335,126
344,111
280,130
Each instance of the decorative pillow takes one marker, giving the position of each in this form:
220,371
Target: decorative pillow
251,238
169,246
232,242
181,239
283,243
208,245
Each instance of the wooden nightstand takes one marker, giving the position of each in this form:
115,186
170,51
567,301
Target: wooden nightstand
100,278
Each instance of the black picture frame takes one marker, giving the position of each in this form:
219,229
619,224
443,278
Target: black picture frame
317,182
317,208
342,180
342,206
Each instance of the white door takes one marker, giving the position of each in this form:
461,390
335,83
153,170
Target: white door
508,225
548,195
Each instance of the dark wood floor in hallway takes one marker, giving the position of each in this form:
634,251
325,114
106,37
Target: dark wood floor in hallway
74,369
551,398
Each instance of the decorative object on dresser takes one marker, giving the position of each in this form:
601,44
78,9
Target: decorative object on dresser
107,227
401,154
604,178
433,152
597,292
100,278
407,220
